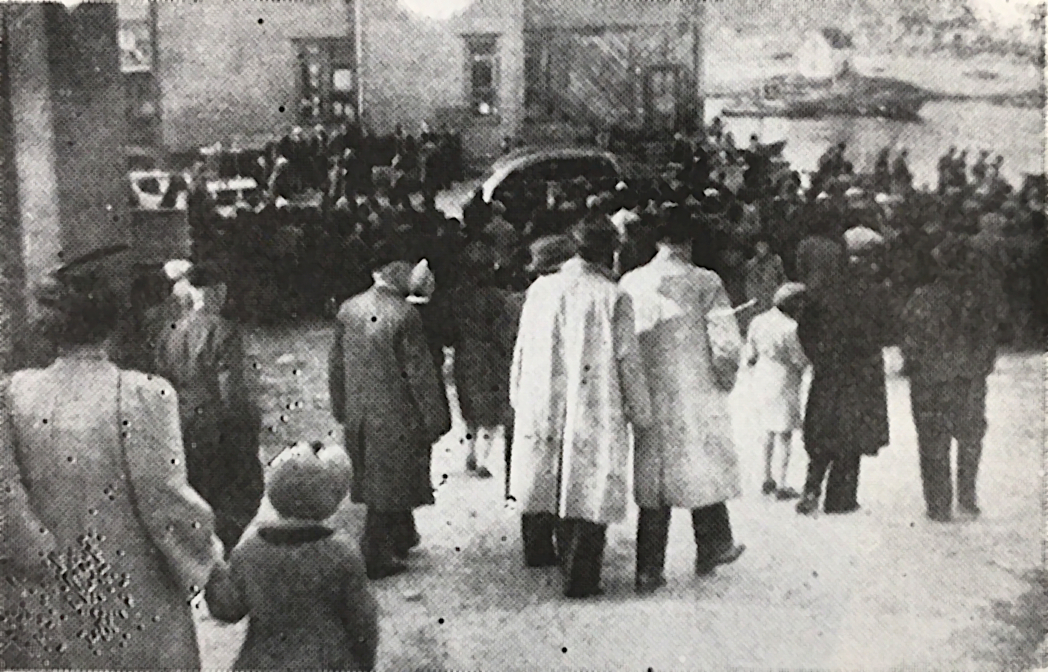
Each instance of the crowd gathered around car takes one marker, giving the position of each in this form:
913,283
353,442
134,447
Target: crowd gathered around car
597,318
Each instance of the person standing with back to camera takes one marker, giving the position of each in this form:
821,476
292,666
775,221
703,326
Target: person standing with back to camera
685,457
576,384
950,346
95,502
386,393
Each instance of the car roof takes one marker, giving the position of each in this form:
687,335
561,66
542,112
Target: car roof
526,156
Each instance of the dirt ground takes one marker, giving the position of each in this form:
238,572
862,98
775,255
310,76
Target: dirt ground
883,588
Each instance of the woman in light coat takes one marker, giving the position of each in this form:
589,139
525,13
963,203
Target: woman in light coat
777,363
104,541
685,457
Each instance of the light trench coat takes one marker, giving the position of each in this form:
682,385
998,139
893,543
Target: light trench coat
576,385
93,473
686,457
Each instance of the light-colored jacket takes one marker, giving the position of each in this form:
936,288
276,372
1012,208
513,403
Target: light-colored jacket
93,472
686,457
777,363
576,384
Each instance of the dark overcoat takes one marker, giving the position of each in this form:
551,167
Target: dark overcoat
482,358
306,592
843,336
386,393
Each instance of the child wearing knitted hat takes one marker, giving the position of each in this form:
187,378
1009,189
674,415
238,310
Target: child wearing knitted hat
302,583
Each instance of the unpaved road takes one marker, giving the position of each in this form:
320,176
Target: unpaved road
883,588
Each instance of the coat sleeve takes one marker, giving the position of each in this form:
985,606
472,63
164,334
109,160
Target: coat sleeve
24,540
422,377
359,611
337,375
631,369
178,520
523,319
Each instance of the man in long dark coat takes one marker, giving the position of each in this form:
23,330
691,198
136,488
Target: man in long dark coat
847,413
202,354
385,392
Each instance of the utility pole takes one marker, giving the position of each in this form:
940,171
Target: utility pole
697,19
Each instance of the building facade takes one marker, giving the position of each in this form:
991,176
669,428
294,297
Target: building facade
240,72
61,125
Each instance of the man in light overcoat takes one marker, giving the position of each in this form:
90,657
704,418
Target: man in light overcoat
685,457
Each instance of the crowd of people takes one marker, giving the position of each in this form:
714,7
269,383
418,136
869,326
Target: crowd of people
590,321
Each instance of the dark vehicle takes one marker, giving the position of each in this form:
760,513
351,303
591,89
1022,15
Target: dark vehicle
531,165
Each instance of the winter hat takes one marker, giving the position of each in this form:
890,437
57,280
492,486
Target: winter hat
309,481
177,269
860,239
421,283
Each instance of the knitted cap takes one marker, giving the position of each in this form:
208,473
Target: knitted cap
309,481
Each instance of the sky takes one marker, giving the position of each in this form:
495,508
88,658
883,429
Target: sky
436,9
1004,13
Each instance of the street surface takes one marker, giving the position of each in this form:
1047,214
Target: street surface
882,588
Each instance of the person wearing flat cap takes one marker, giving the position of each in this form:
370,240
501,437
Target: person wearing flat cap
301,583
684,457
843,334
94,492
386,393
576,385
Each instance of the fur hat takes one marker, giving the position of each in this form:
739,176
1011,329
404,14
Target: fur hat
309,481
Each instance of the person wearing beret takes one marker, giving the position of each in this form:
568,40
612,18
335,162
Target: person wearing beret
386,393
576,385
301,583
96,503
685,456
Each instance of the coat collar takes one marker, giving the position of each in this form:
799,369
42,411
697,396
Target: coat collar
667,254
579,266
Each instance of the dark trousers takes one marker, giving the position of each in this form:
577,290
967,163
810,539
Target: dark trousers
387,535
841,474
578,546
943,411
711,526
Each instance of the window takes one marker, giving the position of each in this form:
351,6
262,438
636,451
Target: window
482,76
326,80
